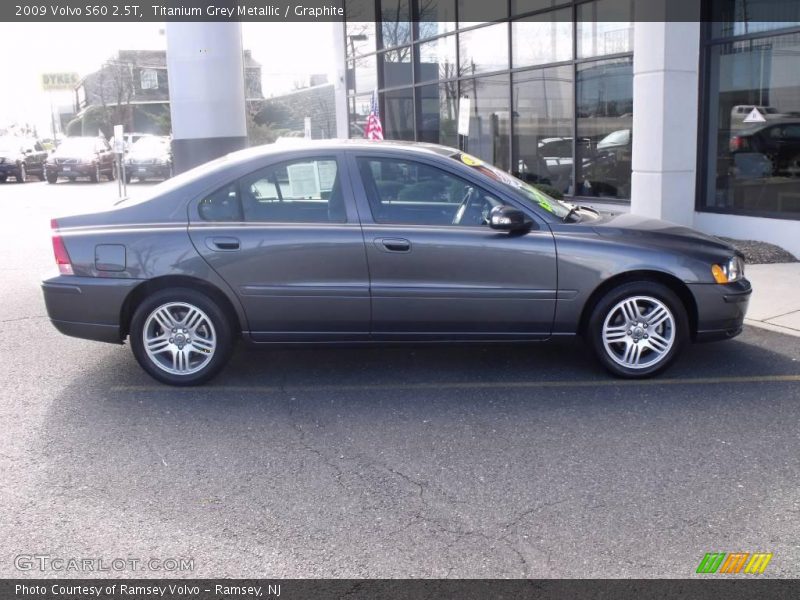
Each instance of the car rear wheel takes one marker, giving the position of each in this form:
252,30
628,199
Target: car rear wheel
22,175
51,177
181,337
95,176
637,329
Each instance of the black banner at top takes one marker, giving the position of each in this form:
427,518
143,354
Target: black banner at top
466,11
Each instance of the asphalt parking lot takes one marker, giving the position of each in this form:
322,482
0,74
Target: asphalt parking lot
481,461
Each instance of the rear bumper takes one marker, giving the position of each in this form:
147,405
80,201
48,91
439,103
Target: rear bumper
720,309
87,307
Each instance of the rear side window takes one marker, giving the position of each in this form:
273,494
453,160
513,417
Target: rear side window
222,205
302,191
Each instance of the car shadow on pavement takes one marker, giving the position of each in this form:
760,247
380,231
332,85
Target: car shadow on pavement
404,461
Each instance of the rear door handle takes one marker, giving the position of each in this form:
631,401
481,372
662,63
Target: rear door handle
222,244
393,244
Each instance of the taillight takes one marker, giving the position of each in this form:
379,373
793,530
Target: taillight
736,143
60,251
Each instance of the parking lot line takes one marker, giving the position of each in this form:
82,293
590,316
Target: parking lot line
470,384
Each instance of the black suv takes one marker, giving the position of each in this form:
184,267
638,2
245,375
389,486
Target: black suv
20,157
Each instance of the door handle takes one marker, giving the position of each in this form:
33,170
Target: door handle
224,244
393,244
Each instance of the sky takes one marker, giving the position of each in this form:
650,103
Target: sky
288,53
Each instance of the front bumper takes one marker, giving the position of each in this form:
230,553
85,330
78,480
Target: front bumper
149,171
87,307
721,309
74,170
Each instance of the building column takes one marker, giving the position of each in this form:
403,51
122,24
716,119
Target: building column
340,80
666,57
205,66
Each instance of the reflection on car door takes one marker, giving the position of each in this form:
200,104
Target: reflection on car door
431,278
286,238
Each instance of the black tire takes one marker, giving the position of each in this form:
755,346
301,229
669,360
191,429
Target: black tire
221,326
51,177
128,177
22,174
679,325
95,176
3,178
112,174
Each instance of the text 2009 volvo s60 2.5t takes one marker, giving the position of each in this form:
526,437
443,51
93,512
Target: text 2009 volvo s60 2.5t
365,242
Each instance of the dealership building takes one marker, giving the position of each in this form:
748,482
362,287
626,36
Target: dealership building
693,121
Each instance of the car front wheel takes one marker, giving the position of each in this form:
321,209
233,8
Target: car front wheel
181,337
637,329
22,175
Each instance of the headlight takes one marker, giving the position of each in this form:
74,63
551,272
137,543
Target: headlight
731,271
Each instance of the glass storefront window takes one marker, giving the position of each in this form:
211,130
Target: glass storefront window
359,38
519,7
438,113
396,66
604,93
437,59
395,23
544,38
358,107
397,114
484,49
754,127
742,17
472,13
542,101
605,27
489,119
362,74
436,17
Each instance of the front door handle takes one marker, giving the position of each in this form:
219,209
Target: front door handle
222,244
393,244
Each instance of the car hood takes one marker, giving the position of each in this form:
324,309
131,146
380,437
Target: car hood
655,231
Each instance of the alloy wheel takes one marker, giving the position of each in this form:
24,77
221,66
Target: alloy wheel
639,332
179,338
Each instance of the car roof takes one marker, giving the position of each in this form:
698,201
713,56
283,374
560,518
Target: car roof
340,144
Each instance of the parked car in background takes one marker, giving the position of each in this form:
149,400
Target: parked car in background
21,157
150,157
778,143
81,157
375,242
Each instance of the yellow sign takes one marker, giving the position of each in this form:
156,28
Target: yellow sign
59,81
470,161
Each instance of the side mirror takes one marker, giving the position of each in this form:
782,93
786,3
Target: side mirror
507,218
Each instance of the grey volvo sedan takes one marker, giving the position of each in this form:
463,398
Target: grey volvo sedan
375,242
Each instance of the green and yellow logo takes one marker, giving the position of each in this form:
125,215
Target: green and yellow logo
734,562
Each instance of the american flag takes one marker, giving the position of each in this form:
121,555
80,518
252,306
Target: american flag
374,127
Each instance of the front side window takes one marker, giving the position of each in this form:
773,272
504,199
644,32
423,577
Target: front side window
408,192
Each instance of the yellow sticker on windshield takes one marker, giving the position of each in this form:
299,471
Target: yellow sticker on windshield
470,161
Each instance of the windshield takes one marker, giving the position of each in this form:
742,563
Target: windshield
525,191
150,144
10,144
77,144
